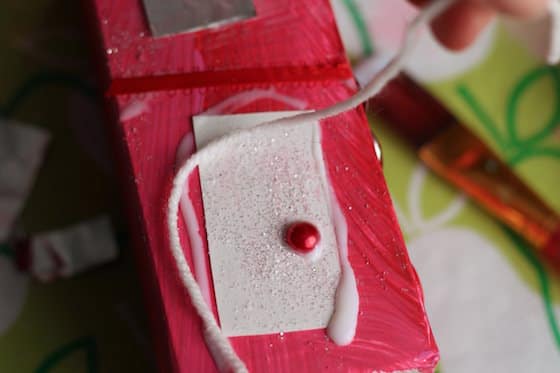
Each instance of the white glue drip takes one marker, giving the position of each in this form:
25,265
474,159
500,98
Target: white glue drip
197,246
222,351
185,149
245,98
344,320
134,109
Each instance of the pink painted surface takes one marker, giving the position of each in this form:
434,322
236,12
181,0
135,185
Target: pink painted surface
393,332
311,39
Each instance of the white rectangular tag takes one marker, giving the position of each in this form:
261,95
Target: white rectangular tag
250,194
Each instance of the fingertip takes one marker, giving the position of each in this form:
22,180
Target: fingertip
459,26
521,8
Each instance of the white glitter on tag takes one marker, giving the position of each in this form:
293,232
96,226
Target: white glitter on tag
249,197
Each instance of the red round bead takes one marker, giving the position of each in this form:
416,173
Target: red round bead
302,237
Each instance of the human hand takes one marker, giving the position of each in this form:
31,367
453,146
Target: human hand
459,26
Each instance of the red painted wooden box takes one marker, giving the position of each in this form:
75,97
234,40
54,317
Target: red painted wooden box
290,49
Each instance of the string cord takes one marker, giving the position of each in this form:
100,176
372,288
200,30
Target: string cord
219,345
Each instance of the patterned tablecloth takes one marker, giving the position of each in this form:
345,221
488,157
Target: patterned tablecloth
93,322
493,306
